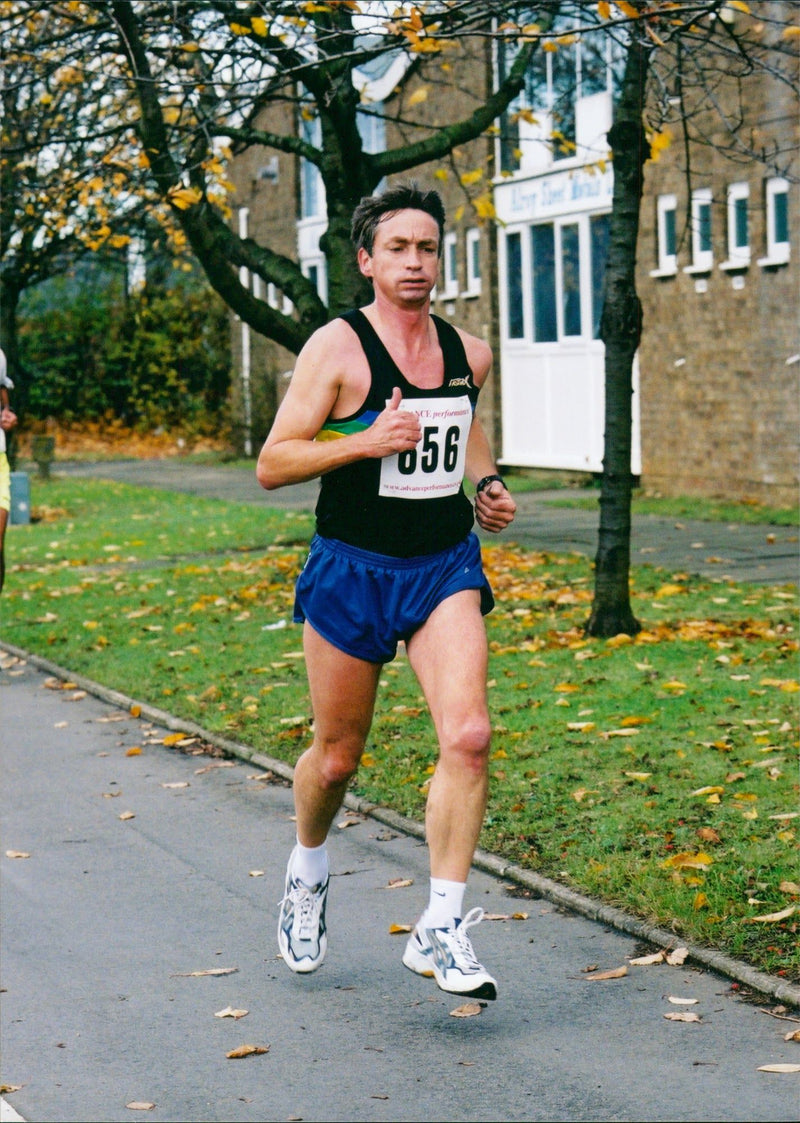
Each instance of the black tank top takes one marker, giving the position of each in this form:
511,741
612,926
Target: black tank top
365,503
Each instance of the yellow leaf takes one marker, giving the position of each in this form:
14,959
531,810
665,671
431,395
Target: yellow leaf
173,738
135,751
627,9
710,790
639,775
604,9
566,687
183,197
239,29
397,929
673,684
700,902
670,590
469,178
259,25
741,5
418,96
688,861
368,760
790,32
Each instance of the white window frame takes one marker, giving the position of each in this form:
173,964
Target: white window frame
449,267
738,256
667,262
777,252
472,241
702,260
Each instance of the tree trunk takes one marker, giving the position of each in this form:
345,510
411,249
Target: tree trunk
620,331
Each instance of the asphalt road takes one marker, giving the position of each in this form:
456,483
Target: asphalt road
768,555
147,869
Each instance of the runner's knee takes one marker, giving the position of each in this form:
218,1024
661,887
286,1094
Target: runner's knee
467,744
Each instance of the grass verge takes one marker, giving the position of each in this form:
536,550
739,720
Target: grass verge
656,773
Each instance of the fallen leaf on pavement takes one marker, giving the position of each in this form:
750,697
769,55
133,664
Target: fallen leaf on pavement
177,784
229,1012
468,1010
256,873
682,1001
648,960
682,1016
200,974
17,854
135,751
779,1068
247,1051
792,1035
399,883
613,973
127,815
677,957
396,929
140,1105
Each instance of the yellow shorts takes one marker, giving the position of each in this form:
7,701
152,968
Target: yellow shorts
5,483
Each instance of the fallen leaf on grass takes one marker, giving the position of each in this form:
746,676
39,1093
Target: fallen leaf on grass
688,861
210,971
468,1010
771,917
140,1105
682,1016
17,854
247,1051
229,1012
399,883
612,973
780,1067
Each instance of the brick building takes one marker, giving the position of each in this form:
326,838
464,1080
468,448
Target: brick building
715,385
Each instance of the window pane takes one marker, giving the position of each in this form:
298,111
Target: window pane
780,211
516,326
571,279
599,227
669,233
475,259
704,227
742,239
564,78
543,247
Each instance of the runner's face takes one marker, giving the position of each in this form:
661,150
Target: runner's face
404,263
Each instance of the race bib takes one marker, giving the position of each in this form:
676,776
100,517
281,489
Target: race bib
435,467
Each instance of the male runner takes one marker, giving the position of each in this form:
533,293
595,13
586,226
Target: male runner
381,407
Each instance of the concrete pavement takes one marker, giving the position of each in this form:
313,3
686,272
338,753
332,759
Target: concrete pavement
768,555
130,878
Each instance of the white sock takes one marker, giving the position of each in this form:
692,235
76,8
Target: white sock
310,864
445,904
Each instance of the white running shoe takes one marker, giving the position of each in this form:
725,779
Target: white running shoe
302,935
446,954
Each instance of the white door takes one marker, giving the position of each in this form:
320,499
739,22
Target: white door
552,361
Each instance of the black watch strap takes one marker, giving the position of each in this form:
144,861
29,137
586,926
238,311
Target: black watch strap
481,484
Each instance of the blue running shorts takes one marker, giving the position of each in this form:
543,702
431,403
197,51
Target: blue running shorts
365,603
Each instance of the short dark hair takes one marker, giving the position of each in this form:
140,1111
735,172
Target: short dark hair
397,197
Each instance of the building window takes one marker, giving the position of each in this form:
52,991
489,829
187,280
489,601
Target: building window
312,202
315,271
473,255
515,317
665,237
599,230
777,204
738,227
543,252
571,280
702,250
450,266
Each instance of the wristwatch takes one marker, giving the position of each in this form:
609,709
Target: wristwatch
481,484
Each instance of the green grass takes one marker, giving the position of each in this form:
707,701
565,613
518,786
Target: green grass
659,774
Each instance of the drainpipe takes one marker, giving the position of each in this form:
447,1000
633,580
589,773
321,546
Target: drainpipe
244,279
